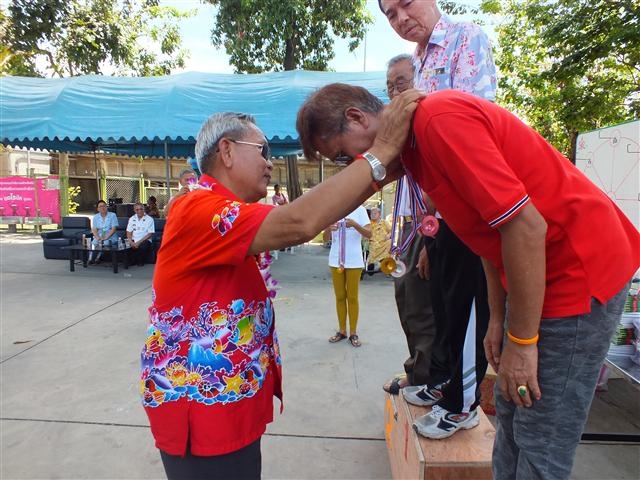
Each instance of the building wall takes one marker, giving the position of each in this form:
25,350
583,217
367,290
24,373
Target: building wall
84,170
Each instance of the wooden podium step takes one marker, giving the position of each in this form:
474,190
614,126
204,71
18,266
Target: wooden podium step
465,455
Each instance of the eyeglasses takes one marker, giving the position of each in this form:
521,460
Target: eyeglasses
264,147
400,85
342,159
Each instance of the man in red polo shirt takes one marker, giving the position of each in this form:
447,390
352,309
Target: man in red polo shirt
558,253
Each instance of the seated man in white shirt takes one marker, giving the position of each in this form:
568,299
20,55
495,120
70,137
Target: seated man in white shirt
140,230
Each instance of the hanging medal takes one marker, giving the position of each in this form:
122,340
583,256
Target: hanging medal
429,224
388,264
393,265
342,244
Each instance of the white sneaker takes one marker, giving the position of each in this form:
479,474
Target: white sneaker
440,423
423,395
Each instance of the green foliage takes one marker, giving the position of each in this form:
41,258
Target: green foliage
274,35
73,193
77,37
570,66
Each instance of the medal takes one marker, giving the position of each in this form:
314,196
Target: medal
388,265
400,269
429,226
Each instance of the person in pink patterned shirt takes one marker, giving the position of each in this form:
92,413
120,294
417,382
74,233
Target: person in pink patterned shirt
449,55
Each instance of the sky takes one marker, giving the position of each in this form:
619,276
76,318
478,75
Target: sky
381,44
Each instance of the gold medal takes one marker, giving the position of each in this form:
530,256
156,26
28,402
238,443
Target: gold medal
387,265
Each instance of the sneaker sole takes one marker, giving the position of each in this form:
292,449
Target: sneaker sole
444,434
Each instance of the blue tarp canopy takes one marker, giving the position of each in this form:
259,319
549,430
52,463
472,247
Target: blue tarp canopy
145,115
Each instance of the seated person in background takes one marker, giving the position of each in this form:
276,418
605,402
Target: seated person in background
152,207
103,226
140,229
187,177
278,198
380,241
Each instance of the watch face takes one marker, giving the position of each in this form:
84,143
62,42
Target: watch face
379,172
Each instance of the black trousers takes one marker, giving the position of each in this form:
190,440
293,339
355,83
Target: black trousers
413,300
458,286
139,255
243,464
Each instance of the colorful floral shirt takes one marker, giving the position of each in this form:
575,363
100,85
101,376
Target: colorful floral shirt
211,356
457,56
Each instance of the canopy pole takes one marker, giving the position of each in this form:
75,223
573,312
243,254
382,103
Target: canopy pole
167,170
95,165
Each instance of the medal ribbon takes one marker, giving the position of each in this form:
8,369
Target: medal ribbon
415,202
342,241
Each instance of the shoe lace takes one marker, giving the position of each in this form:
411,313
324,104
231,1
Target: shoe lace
437,411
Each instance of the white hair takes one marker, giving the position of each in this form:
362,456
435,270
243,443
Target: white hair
400,58
216,127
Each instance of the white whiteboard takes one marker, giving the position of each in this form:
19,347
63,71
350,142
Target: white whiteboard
610,157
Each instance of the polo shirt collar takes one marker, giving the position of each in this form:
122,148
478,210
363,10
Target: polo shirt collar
439,32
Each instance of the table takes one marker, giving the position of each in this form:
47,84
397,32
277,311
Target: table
622,364
630,371
79,252
12,221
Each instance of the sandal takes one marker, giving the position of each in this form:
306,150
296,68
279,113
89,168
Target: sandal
398,382
337,337
354,340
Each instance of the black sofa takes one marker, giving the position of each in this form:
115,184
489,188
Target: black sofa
74,227
71,233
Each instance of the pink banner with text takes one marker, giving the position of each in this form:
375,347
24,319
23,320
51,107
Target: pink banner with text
30,197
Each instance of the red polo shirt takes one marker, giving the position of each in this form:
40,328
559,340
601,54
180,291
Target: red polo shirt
481,165
211,362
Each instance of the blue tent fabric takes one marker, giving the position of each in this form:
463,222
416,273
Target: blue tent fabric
143,115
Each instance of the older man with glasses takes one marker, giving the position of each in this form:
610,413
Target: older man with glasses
140,229
412,290
211,364
449,55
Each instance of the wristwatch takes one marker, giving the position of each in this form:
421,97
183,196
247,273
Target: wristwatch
378,172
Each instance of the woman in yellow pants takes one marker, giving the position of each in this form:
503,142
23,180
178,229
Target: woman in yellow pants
346,264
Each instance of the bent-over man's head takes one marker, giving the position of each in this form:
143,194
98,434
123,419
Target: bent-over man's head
339,121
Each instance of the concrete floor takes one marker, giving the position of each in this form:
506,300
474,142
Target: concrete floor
69,403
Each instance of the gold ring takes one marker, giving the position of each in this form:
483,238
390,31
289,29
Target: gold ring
522,390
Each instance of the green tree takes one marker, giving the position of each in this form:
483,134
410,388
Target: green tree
72,207
274,35
76,37
570,66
